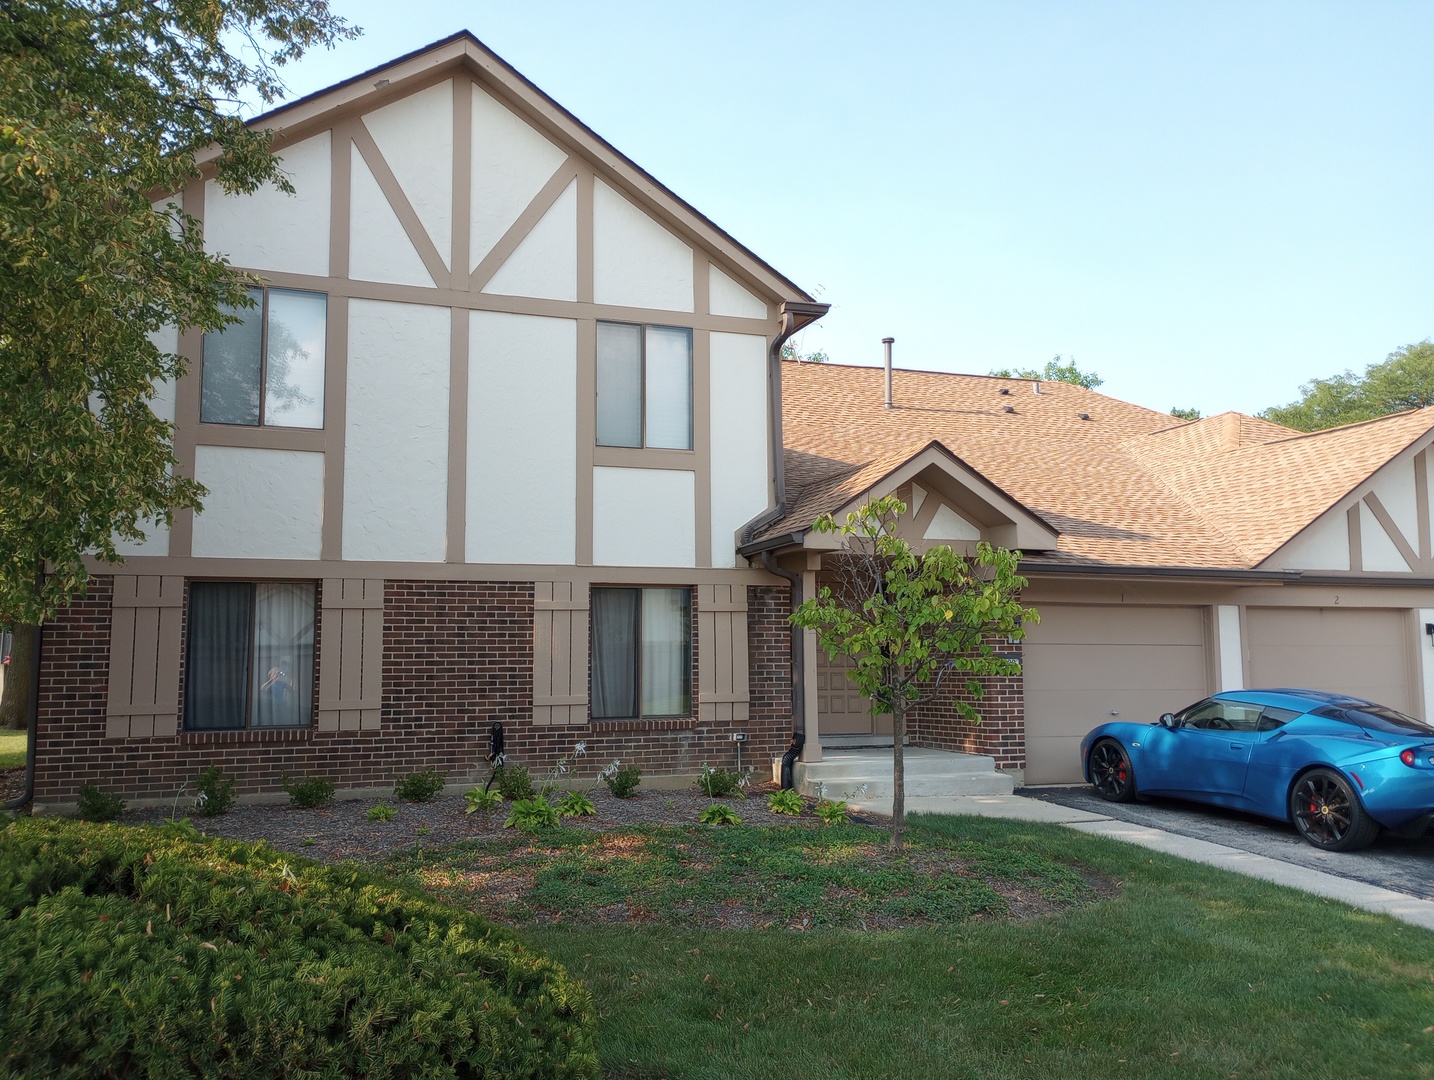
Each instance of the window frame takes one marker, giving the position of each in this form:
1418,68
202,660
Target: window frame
642,425
249,726
262,313
637,650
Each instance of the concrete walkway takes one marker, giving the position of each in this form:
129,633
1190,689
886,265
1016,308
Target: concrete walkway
1408,909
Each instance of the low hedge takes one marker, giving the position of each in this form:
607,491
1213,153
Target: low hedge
153,952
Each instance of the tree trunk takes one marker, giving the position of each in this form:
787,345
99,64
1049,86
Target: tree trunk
15,696
898,770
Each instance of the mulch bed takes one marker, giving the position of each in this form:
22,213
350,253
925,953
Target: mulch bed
342,830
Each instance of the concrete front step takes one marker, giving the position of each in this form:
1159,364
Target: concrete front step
866,774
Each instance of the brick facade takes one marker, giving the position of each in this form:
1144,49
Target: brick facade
1001,733
458,655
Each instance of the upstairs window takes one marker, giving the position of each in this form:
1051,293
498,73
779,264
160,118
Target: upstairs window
251,655
644,386
642,653
268,368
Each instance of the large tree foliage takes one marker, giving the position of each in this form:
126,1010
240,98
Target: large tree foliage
912,623
1055,371
104,105
1404,380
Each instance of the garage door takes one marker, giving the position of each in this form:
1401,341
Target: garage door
1085,665
1359,651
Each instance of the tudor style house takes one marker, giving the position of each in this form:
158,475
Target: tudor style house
507,438
480,452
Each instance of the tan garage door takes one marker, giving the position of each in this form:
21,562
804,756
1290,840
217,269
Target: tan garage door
1359,651
1084,666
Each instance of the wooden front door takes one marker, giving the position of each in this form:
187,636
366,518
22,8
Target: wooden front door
841,708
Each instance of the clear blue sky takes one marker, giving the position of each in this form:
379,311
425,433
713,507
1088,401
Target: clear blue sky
1205,203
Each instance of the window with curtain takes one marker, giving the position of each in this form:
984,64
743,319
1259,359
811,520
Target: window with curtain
642,653
267,369
251,655
644,386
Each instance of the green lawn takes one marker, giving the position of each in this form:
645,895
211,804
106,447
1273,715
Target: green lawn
12,748
1168,969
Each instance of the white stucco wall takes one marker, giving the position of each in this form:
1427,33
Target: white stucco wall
522,439
1379,550
947,524
379,249
643,517
269,230
546,262
262,504
511,163
726,297
739,438
1394,487
636,262
1323,546
415,136
396,432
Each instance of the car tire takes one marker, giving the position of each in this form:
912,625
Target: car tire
1328,813
1111,773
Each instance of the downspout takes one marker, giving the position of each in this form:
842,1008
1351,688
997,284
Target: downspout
799,672
794,316
23,799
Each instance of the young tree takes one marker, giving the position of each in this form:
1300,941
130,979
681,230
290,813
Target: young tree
104,105
912,622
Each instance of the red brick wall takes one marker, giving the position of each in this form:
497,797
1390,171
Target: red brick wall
457,656
1001,732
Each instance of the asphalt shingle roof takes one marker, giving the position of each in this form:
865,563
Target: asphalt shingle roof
1129,486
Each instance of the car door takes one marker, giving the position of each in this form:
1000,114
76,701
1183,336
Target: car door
1214,740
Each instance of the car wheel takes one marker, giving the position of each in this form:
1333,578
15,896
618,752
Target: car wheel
1328,814
1111,772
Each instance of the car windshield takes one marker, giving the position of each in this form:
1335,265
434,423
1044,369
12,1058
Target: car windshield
1382,718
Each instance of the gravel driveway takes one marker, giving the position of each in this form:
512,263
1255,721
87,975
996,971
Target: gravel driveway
1406,866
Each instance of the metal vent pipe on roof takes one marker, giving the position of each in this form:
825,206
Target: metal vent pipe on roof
887,341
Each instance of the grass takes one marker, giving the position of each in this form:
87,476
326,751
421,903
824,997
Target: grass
12,748
1184,972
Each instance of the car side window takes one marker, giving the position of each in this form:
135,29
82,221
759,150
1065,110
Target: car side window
1225,716
1271,718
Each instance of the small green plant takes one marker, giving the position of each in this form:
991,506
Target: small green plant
623,780
575,804
425,785
97,805
307,841
786,801
531,815
382,812
308,791
832,811
214,793
718,814
424,830
514,782
482,800
721,783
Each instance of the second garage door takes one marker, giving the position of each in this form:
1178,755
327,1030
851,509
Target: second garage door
1359,651
1084,665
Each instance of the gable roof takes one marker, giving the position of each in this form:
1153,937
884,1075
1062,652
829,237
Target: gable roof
1126,487
463,51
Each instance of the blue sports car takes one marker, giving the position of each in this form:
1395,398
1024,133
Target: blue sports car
1340,768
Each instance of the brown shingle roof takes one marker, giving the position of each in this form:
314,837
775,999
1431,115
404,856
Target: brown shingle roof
1128,486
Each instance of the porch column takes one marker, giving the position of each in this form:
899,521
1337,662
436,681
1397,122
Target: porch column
812,751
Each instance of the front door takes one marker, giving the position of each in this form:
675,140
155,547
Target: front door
841,708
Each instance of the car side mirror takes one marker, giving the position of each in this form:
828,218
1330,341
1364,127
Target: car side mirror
1168,720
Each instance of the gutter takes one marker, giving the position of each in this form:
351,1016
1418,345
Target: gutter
1205,573
23,799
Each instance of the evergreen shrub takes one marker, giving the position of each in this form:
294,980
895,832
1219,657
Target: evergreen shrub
154,952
